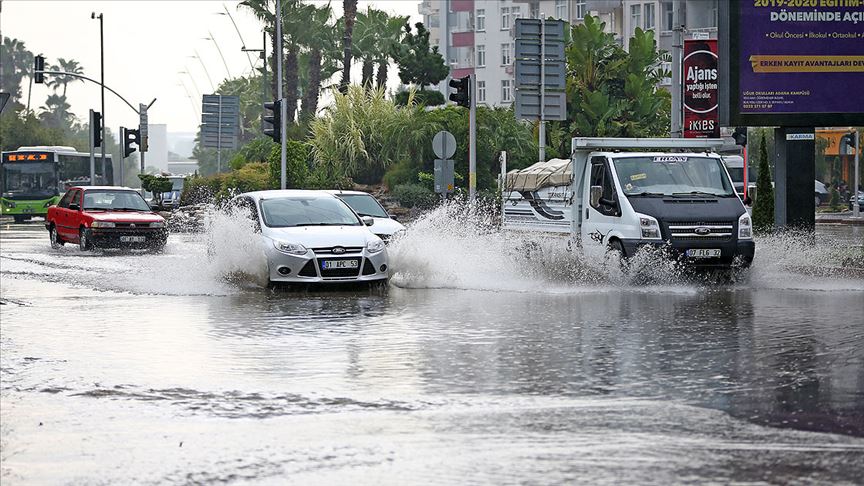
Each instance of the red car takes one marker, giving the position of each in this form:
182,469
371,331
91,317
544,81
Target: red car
105,217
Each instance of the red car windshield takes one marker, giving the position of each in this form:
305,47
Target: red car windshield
111,200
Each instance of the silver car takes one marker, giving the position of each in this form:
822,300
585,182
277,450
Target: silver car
314,237
364,204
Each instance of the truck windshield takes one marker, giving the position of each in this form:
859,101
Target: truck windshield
672,175
36,180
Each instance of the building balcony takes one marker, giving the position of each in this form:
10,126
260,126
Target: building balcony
461,5
463,39
461,72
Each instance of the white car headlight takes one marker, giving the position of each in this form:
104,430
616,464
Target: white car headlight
745,227
290,248
102,224
157,224
375,246
649,226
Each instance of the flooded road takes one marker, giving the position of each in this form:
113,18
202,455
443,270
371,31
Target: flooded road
474,366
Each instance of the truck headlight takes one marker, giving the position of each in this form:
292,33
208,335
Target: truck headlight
102,224
157,224
649,226
9,204
745,227
375,246
290,248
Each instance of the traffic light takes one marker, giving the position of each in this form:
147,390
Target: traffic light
39,65
462,96
847,144
129,136
740,136
271,123
96,123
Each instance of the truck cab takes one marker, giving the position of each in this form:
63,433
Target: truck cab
624,194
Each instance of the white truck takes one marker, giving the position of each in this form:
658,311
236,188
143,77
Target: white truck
620,194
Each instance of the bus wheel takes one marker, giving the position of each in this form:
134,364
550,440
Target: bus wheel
84,242
56,241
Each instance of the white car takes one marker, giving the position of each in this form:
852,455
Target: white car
364,204
314,237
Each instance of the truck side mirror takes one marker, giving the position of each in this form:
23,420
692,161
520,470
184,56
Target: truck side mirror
596,193
74,207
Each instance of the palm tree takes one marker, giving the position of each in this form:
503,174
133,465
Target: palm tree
350,9
55,113
62,80
17,62
365,42
320,41
389,38
261,10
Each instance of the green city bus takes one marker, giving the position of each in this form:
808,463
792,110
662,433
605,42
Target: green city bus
33,178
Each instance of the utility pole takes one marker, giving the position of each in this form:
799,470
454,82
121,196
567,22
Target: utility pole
282,105
677,46
542,128
856,209
472,139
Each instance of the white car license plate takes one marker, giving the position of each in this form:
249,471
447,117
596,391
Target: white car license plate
334,264
132,239
703,253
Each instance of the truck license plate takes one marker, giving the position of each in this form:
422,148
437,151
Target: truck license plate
334,264
132,239
27,210
703,253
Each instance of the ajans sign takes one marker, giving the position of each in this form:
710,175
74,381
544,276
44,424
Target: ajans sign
792,62
700,89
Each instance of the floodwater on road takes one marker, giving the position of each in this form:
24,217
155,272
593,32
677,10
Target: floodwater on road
479,364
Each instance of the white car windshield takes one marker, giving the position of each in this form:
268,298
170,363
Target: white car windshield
364,205
311,211
673,175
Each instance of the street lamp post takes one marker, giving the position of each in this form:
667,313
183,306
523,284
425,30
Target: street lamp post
242,42
228,71
102,82
206,72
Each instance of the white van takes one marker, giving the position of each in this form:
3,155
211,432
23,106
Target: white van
610,197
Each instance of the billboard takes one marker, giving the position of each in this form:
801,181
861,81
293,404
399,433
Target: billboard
792,63
700,89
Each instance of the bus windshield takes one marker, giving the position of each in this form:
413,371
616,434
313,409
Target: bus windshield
673,175
35,180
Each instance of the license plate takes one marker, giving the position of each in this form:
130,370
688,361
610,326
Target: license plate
132,239
703,253
27,210
334,264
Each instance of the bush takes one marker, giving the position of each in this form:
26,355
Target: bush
422,98
297,156
257,150
250,177
414,195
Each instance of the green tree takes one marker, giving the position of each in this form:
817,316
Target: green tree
16,63
257,150
763,208
389,40
297,158
321,58
419,63
264,11
612,92
55,113
349,8
365,43
156,185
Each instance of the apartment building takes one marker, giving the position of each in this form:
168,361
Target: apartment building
476,36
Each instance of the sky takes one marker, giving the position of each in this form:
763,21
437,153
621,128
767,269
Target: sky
148,44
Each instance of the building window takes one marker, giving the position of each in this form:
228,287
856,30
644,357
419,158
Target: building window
481,20
635,18
481,91
580,9
668,16
649,17
505,54
481,56
561,9
516,13
505,18
534,10
506,93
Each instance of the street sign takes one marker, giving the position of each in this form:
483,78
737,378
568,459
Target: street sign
220,122
530,49
444,175
444,144
530,28
529,74
528,105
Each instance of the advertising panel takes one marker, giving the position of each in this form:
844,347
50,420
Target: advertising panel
700,89
795,62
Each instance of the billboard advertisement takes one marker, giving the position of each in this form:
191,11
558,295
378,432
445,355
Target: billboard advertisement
700,89
794,62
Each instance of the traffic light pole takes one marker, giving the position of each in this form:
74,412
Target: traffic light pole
472,140
92,152
856,208
282,105
541,143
